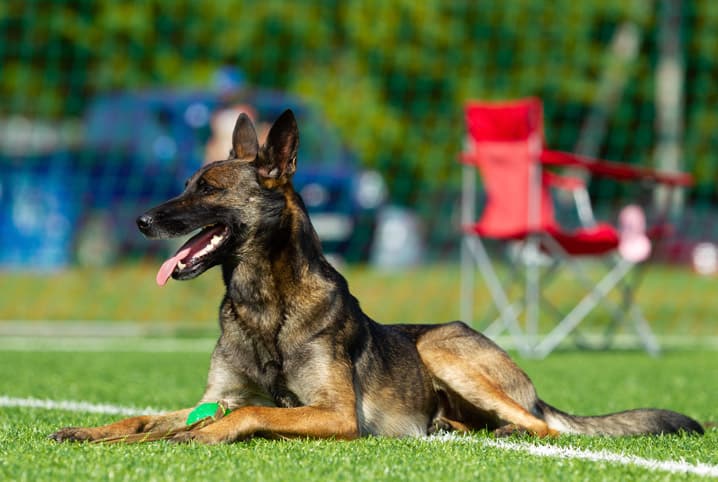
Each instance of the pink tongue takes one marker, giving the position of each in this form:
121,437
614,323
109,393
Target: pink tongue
169,266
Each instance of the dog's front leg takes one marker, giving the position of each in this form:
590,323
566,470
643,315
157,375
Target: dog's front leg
271,422
159,424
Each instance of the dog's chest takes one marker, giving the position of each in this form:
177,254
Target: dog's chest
258,357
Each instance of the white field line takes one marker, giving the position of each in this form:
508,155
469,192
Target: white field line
670,466
106,344
551,451
72,406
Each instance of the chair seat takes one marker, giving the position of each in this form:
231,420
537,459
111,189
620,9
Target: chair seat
596,240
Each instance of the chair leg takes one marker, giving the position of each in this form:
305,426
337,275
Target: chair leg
506,309
533,277
527,341
644,332
618,313
468,208
639,322
630,311
575,316
497,325
467,283
627,308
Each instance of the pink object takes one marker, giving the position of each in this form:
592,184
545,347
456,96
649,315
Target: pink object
634,245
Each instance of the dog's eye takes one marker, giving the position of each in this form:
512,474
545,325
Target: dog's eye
204,187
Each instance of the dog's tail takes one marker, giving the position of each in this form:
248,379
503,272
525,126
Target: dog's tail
641,421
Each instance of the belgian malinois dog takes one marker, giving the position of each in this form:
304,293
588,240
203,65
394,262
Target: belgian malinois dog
297,357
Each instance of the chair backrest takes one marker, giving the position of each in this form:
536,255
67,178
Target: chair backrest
505,141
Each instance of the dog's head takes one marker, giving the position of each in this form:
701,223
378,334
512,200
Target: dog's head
228,201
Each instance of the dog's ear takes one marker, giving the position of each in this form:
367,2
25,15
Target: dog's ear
244,139
279,157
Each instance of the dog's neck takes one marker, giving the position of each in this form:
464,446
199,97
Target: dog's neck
282,270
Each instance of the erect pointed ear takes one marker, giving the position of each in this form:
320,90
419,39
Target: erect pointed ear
279,156
244,139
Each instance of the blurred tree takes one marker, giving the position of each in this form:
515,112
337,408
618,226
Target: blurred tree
393,76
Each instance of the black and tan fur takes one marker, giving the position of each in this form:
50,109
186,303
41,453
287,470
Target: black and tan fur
298,357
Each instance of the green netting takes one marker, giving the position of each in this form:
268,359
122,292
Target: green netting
388,78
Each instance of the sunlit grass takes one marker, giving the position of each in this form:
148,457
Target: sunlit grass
582,383
675,300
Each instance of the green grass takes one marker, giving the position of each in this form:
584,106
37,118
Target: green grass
675,300
585,383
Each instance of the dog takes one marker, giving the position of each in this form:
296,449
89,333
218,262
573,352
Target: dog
297,356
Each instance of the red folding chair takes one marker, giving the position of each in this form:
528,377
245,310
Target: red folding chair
505,143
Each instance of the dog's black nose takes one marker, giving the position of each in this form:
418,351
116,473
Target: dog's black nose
144,222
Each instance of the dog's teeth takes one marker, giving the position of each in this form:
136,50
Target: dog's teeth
211,246
214,242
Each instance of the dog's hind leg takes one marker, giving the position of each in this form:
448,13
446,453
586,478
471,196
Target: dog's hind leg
127,429
483,385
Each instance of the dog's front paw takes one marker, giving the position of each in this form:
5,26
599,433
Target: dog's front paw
182,438
199,436
194,436
72,434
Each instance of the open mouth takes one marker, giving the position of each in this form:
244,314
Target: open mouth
196,255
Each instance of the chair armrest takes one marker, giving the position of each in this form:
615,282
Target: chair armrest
567,183
616,170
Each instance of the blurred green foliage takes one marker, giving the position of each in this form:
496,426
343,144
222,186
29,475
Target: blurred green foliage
392,75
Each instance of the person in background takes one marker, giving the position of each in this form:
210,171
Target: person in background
222,125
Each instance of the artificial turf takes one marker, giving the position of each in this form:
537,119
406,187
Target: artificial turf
578,382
